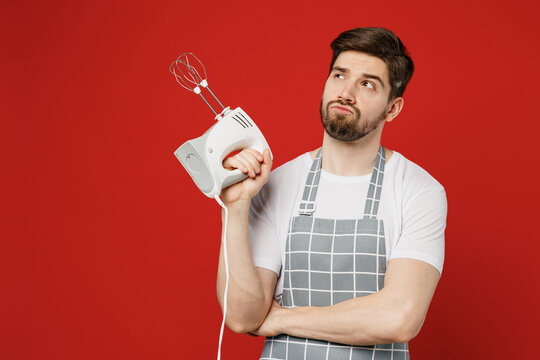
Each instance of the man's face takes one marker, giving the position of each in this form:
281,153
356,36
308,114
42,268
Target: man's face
355,96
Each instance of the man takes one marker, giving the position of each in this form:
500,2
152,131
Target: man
338,255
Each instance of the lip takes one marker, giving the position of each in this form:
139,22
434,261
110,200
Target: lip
342,109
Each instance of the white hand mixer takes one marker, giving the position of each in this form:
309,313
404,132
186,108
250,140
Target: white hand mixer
202,157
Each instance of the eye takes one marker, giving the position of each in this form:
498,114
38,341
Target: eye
339,76
368,84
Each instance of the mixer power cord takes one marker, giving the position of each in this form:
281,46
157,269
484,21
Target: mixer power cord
218,199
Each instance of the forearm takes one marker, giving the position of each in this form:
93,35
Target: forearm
367,320
247,302
394,314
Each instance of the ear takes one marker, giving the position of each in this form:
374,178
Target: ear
394,109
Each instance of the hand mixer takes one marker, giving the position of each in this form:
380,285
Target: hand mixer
203,157
235,130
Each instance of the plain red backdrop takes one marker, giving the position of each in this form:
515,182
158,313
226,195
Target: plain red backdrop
109,251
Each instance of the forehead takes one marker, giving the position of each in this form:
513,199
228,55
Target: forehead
360,63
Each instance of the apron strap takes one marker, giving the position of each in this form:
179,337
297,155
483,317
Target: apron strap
307,205
375,186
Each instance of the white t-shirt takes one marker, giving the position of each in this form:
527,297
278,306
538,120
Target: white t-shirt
413,207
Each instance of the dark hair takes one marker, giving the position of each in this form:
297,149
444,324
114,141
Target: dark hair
383,44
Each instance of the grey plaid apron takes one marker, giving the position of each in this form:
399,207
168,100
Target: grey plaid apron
328,261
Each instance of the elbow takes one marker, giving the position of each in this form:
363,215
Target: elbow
241,326
241,321
243,317
405,327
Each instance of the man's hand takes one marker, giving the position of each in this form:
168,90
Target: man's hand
271,325
256,166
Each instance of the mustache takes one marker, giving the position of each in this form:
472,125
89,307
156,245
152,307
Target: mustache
343,103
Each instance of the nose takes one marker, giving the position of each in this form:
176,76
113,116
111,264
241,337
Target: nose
347,93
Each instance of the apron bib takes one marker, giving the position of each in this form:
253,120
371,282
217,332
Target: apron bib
328,261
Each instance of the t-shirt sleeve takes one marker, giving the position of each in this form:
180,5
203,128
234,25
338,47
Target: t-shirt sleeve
422,233
263,233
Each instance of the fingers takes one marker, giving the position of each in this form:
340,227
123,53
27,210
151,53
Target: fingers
232,163
252,160
248,161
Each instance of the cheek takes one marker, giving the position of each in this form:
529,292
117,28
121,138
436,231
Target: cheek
372,104
328,91
324,100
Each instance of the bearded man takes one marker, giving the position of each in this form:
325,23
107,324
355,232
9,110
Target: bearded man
337,253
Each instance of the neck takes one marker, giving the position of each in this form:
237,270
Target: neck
351,158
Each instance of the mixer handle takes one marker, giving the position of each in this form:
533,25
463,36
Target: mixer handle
232,177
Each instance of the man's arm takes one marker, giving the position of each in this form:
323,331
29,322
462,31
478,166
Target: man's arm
250,289
394,314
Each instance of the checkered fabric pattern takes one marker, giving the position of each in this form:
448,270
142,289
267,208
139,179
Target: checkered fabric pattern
328,261
291,347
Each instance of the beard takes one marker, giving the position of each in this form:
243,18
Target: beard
347,127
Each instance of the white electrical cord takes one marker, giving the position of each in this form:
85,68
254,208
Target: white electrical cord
226,275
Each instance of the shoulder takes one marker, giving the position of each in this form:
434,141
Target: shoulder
283,180
416,188
290,170
413,177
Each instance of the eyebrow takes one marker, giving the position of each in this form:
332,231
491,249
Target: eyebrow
368,76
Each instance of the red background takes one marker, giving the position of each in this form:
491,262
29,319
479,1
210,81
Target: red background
109,251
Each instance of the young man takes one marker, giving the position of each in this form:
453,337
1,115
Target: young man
338,255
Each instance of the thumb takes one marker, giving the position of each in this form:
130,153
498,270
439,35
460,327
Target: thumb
266,166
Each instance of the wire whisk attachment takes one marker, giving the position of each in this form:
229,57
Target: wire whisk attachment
190,73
